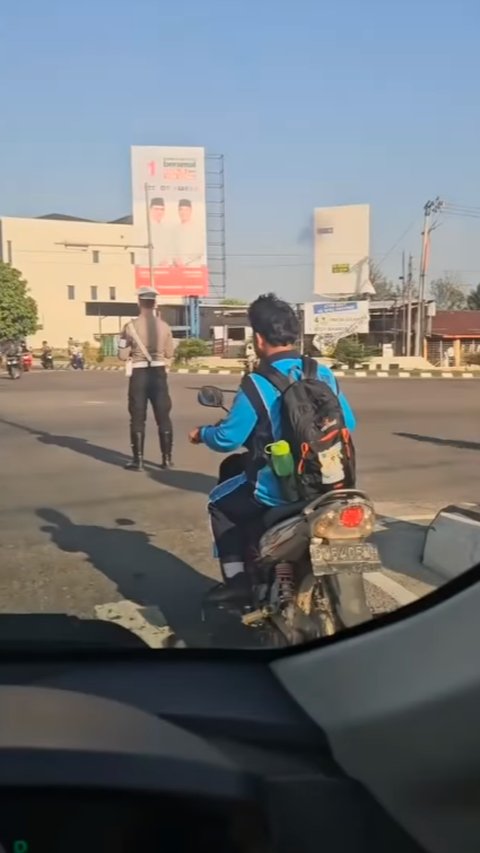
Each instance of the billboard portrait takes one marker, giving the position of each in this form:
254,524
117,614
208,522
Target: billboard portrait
342,250
169,214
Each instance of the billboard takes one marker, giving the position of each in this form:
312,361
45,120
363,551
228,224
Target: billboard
331,321
342,249
169,215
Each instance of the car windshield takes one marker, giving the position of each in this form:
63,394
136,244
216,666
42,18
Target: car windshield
219,426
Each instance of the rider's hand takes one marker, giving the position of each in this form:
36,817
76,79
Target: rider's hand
194,436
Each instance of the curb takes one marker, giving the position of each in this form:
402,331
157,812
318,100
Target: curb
349,374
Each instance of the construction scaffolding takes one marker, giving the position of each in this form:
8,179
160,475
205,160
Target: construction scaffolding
215,203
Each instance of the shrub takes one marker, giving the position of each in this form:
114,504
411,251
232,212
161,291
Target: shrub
190,348
351,351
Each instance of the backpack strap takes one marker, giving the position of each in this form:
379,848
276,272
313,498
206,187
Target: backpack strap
309,367
274,376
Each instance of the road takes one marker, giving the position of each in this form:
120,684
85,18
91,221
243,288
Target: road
80,535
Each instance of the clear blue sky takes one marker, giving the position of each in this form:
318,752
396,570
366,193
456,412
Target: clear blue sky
312,103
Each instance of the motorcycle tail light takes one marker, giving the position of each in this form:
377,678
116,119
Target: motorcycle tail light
355,521
352,516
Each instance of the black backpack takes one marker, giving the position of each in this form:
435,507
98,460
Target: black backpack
314,426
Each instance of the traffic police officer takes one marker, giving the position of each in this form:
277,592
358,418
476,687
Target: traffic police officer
146,344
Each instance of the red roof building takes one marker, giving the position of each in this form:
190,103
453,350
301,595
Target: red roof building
456,325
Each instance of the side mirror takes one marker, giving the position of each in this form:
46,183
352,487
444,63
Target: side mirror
211,397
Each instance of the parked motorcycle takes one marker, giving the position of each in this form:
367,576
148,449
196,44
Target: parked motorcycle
306,572
46,360
14,366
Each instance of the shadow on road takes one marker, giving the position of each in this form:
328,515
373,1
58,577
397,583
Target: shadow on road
143,573
189,481
71,442
445,442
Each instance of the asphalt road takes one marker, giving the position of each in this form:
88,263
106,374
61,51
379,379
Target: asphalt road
80,535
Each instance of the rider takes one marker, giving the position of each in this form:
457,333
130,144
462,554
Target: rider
246,491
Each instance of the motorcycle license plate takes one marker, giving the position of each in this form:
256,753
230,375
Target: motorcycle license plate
329,558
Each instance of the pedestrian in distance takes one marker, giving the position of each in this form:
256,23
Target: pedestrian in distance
146,346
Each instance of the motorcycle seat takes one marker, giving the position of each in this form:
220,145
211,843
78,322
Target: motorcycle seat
280,513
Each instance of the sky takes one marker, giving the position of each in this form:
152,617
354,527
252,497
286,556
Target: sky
311,104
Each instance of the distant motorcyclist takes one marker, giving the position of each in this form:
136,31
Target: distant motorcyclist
76,355
46,356
248,486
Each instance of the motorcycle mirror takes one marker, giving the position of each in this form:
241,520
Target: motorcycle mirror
211,397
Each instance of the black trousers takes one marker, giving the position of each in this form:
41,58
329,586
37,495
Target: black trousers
149,384
236,517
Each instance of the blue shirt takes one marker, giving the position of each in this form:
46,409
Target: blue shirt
241,421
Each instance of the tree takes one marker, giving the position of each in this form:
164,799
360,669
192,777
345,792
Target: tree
448,295
18,310
384,289
473,299
233,301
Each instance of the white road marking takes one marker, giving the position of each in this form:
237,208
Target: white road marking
392,588
148,623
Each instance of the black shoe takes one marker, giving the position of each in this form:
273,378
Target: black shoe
236,590
137,441
166,444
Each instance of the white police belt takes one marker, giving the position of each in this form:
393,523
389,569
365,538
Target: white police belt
145,363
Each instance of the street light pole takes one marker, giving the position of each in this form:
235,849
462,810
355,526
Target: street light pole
149,236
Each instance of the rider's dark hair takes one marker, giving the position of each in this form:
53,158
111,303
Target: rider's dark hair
274,319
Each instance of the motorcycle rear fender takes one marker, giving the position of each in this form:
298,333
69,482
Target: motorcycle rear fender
289,540
286,541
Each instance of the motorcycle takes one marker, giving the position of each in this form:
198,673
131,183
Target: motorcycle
77,361
306,572
47,360
27,361
14,366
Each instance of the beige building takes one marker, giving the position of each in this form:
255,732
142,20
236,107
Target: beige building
342,250
81,274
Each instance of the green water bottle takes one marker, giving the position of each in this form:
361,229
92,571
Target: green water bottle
282,460
283,465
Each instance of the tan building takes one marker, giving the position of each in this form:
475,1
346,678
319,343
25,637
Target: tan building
342,250
80,273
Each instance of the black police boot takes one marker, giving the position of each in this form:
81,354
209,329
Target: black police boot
236,590
137,440
166,444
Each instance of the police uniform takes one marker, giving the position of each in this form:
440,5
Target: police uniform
148,335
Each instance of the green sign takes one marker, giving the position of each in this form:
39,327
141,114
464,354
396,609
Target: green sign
341,268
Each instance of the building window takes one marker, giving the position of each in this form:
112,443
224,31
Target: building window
71,291
132,258
96,256
9,252
113,293
236,333
94,293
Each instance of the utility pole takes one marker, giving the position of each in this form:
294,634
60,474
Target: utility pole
404,306
429,208
409,305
